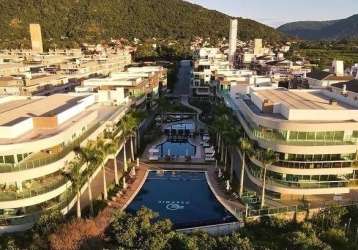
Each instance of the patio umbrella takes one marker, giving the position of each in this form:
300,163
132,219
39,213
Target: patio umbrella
228,185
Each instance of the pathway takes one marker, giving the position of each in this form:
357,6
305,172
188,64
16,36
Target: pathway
182,85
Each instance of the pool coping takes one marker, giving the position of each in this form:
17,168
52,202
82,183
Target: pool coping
136,191
222,202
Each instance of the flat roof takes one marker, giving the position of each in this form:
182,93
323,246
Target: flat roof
15,111
299,99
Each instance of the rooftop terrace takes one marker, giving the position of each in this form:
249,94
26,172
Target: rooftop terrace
303,100
19,109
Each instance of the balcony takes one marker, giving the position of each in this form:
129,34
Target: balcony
296,184
274,137
33,188
42,159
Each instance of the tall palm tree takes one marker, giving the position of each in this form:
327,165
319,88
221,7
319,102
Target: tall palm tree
268,157
232,138
131,124
104,148
122,140
245,148
86,156
75,176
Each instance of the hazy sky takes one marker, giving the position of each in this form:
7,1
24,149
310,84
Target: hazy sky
277,12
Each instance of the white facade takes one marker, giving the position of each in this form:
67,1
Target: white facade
233,39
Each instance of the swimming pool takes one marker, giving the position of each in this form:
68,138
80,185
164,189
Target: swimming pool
183,197
177,148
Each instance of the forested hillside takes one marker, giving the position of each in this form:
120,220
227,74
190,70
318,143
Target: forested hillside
75,21
325,30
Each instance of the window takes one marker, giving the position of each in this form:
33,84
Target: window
355,134
293,135
9,159
19,158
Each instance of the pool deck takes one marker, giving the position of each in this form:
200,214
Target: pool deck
123,198
230,203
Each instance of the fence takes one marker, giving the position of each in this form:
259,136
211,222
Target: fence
218,229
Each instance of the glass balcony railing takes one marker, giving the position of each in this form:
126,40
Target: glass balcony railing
30,164
36,189
32,217
276,137
313,165
300,184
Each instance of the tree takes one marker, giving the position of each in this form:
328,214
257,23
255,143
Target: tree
87,155
234,241
329,217
76,178
267,158
245,148
103,149
48,222
142,231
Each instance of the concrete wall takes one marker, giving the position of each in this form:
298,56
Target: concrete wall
17,129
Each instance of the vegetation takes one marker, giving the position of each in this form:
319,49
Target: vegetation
325,30
334,228
71,22
324,52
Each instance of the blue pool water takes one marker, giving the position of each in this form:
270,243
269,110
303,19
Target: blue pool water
177,148
183,197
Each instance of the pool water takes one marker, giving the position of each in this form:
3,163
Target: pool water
177,148
183,197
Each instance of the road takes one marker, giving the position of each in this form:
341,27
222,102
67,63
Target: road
182,86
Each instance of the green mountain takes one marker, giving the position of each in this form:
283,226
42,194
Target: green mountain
325,30
95,20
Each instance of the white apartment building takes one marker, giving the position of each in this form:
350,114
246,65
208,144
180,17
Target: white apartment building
323,79
37,139
55,72
314,134
206,62
239,81
138,83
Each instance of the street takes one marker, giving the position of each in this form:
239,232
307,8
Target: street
182,86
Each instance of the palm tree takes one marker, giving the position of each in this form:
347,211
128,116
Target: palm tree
163,105
245,148
268,157
86,155
232,140
131,124
76,178
104,148
123,139
218,125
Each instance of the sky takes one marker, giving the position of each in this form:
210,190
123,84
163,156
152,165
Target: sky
277,12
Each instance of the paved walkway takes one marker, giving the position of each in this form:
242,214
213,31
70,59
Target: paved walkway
104,218
221,194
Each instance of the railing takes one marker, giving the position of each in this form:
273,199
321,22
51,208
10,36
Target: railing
304,184
274,137
28,193
273,211
30,164
313,164
7,220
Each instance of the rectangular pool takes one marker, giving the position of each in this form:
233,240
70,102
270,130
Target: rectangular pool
177,148
183,197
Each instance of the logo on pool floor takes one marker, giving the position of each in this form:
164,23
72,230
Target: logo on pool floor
174,205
